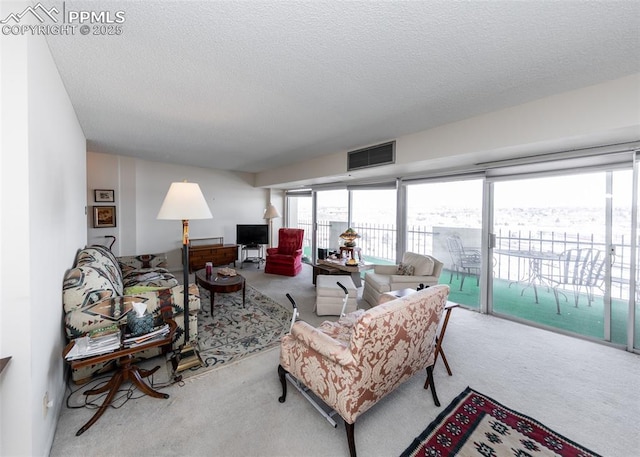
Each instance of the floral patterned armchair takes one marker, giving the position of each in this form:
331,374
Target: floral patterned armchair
354,362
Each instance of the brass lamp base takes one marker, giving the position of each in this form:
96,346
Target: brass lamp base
187,357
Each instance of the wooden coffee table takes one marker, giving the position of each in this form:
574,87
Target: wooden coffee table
221,284
353,270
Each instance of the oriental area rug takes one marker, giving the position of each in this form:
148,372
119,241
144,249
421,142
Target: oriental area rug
236,331
476,425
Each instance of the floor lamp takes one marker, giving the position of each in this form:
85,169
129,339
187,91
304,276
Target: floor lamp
185,201
270,214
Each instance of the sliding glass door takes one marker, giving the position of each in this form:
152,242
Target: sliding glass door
373,216
546,243
561,255
444,220
332,217
619,195
300,215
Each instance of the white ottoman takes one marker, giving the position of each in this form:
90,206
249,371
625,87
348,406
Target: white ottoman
330,297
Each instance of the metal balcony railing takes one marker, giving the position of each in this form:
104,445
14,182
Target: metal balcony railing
380,242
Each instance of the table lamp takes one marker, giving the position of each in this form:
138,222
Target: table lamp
185,201
349,236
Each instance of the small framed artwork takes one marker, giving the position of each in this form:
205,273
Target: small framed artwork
103,195
104,216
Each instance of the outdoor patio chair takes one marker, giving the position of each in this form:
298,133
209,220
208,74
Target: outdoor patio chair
464,262
578,269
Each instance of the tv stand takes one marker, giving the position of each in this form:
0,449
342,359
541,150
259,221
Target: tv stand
258,258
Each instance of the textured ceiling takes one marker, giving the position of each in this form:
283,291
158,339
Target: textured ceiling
249,85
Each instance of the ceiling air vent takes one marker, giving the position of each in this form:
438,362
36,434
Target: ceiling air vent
382,154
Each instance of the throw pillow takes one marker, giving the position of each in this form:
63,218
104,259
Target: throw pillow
405,269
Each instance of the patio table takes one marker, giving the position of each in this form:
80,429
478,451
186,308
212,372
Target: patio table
533,277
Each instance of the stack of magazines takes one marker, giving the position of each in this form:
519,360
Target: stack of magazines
100,341
158,333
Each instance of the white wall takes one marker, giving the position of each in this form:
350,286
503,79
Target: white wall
42,224
102,172
14,286
606,112
140,188
596,115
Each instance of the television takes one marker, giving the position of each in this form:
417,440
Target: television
249,234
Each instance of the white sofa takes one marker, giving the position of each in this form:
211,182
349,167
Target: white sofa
385,278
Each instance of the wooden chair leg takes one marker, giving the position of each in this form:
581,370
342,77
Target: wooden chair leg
351,438
283,380
430,383
446,363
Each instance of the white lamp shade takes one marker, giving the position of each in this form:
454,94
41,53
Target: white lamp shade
271,212
184,201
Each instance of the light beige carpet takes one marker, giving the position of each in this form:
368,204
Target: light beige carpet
584,390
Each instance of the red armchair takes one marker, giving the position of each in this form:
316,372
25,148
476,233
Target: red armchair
286,259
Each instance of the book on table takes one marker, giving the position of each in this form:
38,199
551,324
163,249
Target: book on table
109,339
104,331
158,333
87,346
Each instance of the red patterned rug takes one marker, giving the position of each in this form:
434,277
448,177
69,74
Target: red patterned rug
476,425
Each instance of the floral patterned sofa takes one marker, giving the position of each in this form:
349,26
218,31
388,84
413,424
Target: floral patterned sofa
100,288
353,363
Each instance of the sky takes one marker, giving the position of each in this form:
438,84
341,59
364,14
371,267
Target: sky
578,191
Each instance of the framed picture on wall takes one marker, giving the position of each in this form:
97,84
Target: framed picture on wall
103,195
104,216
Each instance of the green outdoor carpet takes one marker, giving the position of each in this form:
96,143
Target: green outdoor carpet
507,300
